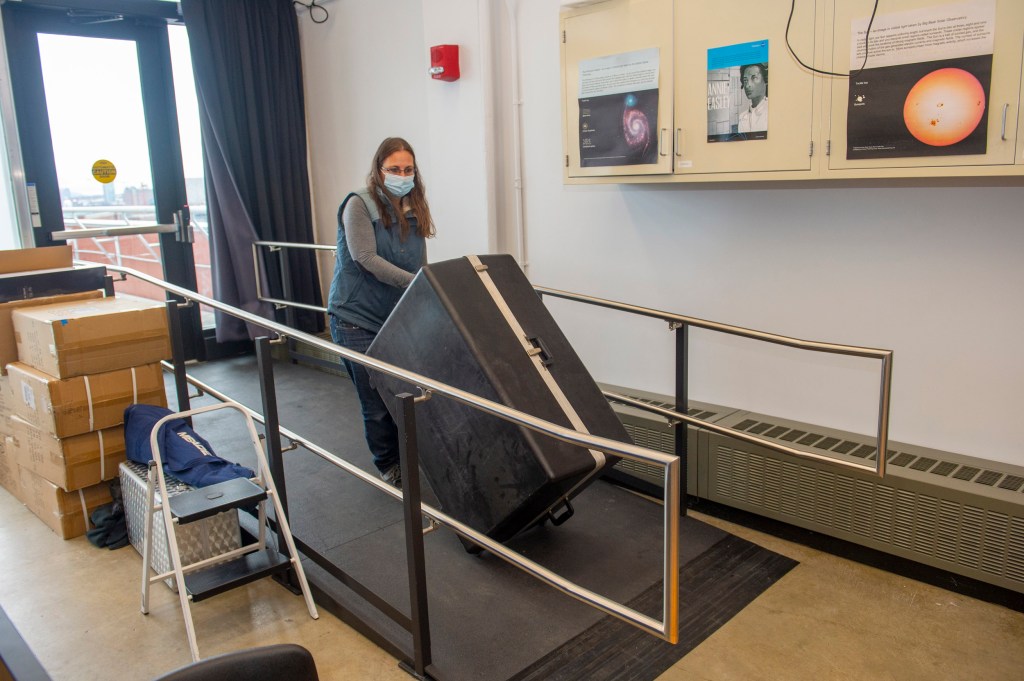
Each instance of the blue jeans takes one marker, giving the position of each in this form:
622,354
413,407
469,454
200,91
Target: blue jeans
378,426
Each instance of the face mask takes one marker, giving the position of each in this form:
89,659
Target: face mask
399,185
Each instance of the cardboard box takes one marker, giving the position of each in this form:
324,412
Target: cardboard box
6,396
72,406
66,513
8,466
9,478
92,336
26,259
39,283
8,346
71,463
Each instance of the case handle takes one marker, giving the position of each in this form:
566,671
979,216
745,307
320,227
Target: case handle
540,350
565,515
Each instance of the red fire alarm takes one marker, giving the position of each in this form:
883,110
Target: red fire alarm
444,62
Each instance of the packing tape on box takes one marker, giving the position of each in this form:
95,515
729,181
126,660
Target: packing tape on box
103,456
85,509
88,399
109,343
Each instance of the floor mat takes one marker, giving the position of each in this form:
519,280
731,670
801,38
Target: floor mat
712,589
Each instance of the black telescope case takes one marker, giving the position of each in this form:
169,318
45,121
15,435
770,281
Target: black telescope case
476,323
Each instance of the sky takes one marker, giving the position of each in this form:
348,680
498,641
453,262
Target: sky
95,107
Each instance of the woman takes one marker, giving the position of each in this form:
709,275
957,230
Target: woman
382,233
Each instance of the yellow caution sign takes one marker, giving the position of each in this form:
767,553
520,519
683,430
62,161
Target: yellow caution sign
104,171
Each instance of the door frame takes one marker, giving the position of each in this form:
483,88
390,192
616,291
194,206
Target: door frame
145,23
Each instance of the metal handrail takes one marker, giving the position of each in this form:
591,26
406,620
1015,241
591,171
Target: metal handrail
885,383
667,628
676,321
257,261
717,326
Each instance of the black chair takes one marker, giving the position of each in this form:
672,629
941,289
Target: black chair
281,662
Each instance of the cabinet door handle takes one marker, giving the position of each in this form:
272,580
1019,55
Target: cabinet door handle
679,135
1002,133
661,142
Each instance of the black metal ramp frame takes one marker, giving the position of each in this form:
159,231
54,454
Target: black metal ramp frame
487,619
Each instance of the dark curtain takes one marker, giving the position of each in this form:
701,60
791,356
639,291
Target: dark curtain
248,72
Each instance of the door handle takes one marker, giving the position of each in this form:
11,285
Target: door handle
183,225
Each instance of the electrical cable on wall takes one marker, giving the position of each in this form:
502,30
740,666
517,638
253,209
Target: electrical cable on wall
867,35
311,6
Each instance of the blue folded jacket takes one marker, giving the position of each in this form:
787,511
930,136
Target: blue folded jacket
186,455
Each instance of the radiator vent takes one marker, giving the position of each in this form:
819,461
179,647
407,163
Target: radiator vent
894,457
954,512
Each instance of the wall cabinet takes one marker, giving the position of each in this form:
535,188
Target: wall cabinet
998,128
820,126
703,25
613,31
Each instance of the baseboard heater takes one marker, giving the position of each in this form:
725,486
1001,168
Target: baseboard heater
954,512
302,352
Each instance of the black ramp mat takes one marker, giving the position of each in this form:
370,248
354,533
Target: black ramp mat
488,620
712,589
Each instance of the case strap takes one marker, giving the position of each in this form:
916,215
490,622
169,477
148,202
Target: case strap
535,357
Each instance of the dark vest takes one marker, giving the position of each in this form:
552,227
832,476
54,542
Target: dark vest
358,297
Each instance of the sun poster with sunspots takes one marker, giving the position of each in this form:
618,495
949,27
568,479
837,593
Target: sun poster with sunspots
924,89
618,102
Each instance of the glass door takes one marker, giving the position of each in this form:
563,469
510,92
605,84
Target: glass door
98,117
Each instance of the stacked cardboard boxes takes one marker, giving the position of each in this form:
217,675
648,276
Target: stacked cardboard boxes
70,430
81,359
32,276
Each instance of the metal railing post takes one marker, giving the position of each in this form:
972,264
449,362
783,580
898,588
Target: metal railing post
409,453
272,442
271,424
286,286
177,354
682,431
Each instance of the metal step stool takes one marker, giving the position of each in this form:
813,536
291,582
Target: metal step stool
217,574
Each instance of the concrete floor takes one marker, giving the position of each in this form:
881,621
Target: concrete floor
77,607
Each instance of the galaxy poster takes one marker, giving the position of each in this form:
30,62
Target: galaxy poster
926,86
738,92
618,104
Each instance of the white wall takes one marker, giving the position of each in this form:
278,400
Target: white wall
927,271
363,82
365,74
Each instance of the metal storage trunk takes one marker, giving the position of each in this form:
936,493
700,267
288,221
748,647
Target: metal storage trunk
196,541
476,323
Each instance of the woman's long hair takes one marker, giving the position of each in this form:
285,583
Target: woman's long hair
415,201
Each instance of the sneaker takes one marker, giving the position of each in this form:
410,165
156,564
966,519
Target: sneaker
393,476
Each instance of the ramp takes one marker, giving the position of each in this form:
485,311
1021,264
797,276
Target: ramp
488,620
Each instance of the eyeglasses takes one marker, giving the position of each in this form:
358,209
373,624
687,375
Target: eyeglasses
395,170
